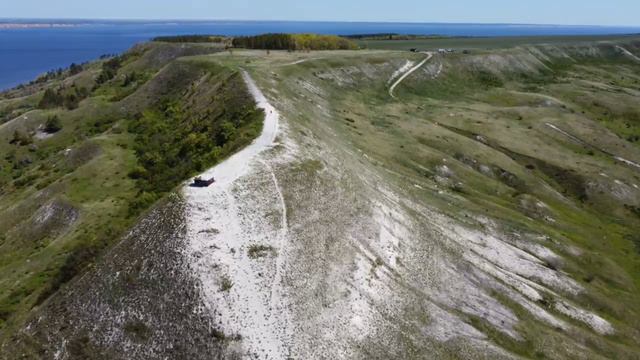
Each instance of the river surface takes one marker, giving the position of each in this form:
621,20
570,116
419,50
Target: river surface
27,53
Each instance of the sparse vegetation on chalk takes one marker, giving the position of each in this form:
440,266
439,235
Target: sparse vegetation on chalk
226,284
489,209
258,251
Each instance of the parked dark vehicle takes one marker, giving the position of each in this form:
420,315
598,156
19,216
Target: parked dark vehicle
200,182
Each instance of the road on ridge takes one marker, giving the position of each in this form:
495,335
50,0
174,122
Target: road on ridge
221,229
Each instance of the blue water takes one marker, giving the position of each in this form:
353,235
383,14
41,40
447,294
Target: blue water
26,53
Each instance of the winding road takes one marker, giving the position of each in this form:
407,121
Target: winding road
242,294
411,71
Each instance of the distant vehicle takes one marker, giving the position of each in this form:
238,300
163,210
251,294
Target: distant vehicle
200,182
413,50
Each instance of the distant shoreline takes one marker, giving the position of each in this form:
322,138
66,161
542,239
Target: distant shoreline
31,47
35,25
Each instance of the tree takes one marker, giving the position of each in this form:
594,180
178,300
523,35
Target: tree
129,79
51,99
53,124
294,42
109,70
71,101
74,69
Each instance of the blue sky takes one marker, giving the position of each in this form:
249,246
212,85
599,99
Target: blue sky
562,12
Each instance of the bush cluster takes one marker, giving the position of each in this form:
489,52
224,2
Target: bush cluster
109,69
191,39
173,141
70,99
293,42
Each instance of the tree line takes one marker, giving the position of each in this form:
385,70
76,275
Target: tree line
191,39
293,42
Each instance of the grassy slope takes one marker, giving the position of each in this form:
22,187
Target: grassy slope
67,197
489,111
486,42
485,111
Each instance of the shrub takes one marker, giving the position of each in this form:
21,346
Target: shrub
129,79
51,99
109,70
258,251
53,124
21,138
71,101
141,202
488,79
218,335
25,181
75,69
170,145
138,172
226,284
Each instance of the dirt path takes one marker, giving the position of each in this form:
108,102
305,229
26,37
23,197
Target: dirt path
582,142
628,53
406,67
238,164
242,292
301,61
440,67
411,71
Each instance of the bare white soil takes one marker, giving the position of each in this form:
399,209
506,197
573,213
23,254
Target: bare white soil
406,67
337,262
409,72
223,223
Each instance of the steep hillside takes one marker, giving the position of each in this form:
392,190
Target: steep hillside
88,150
488,209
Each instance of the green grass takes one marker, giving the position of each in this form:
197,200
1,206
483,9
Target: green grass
481,43
483,117
476,116
171,128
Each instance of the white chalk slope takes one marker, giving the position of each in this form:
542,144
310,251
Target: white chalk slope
239,292
356,262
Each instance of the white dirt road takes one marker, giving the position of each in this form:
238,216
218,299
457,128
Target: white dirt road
411,71
242,291
628,53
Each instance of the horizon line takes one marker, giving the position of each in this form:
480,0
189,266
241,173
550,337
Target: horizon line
312,21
